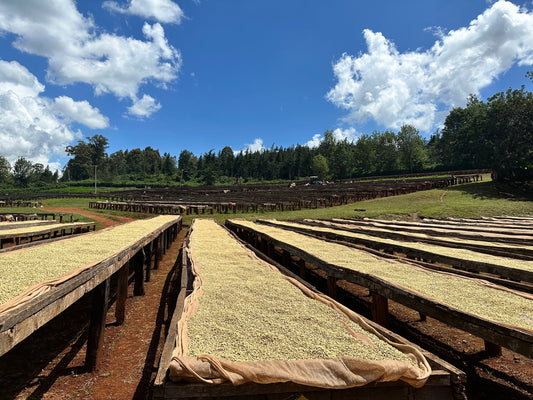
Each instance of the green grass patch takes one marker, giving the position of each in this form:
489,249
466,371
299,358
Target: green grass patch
472,200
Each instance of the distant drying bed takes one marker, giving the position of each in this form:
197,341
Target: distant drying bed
446,225
16,224
444,233
464,254
23,268
45,228
345,224
467,295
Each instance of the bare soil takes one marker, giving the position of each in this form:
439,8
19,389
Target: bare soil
102,219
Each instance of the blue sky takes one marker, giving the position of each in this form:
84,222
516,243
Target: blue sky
200,75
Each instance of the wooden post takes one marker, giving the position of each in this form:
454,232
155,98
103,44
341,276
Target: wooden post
148,260
492,349
270,250
157,255
380,309
332,287
138,265
122,293
303,270
287,261
97,325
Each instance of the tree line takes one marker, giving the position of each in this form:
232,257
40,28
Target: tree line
496,134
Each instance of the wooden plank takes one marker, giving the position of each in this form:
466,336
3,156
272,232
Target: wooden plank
170,342
95,341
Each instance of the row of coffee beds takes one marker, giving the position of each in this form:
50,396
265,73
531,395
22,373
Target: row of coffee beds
14,233
40,280
248,324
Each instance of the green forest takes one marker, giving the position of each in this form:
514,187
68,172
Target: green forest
496,134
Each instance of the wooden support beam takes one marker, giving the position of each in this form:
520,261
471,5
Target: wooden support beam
122,293
492,349
332,287
147,260
287,260
303,269
97,325
157,252
380,309
138,265
269,249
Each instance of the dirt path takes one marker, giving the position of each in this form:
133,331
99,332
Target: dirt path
104,221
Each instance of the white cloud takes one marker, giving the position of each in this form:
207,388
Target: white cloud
144,107
349,134
80,111
77,52
315,141
257,145
420,87
33,126
164,11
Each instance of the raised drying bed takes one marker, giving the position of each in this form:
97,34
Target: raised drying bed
471,225
37,283
247,330
500,316
523,251
22,224
33,232
511,270
492,235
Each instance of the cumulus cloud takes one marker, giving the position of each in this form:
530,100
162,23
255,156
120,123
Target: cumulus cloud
80,111
77,51
29,124
144,107
420,87
164,11
315,141
349,134
257,145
